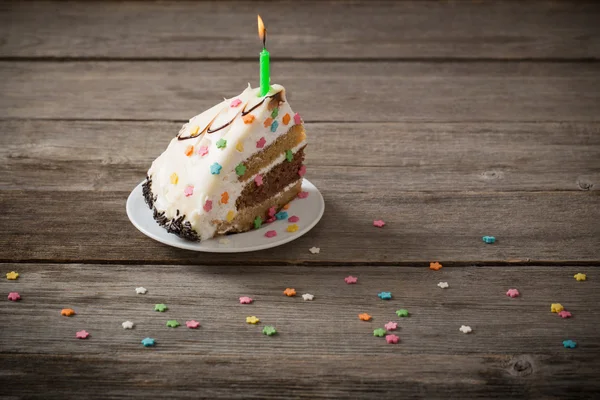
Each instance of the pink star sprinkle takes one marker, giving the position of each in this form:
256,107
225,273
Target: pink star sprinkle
392,339
14,296
391,326
192,324
565,314
302,170
202,151
272,211
271,234
512,293
82,334
261,143
258,180
245,300
293,218
270,220
302,195
378,223
350,279
236,103
188,191
208,205
297,119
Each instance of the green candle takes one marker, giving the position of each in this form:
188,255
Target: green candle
265,75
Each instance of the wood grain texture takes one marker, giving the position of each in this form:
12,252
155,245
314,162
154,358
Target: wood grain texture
307,29
319,91
516,345
114,156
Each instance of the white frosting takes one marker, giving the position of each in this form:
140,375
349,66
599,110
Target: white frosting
195,170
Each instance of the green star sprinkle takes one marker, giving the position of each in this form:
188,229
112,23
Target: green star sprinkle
289,155
172,323
221,143
240,169
379,332
257,222
402,312
269,330
160,307
275,113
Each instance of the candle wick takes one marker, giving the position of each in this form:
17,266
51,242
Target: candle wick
265,40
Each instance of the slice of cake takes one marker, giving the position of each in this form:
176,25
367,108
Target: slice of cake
229,169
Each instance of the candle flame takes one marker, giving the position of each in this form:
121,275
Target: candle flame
262,31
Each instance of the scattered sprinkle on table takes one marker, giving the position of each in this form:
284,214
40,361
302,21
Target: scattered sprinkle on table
245,300
148,342
385,295
315,250
513,293
127,325
556,307
82,334
160,307
271,234
443,285
14,296
465,329
391,339
565,314
350,280
172,323
11,276
489,239
391,326
308,297
292,228
580,277
252,320
569,344
436,266
364,317
192,324
293,219
289,292
140,290
402,312
380,332
378,223
67,312
269,330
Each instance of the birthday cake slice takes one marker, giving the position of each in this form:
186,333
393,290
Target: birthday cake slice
230,169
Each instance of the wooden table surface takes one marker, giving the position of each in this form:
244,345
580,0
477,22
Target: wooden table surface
449,120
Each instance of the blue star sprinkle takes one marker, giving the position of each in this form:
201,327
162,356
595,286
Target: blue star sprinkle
148,342
385,295
489,239
274,126
281,215
215,169
569,344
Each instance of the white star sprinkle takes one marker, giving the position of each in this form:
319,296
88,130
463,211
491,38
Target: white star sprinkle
140,290
307,297
465,329
224,241
443,285
314,250
127,325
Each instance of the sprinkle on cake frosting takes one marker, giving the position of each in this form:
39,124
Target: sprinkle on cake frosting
195,183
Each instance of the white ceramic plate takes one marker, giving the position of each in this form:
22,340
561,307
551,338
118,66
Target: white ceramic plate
309,210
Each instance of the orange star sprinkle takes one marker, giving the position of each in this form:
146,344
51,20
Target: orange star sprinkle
286,119
289,292
189,150
435,266
248,118
286,206
268,122
67,312
224,198
364,317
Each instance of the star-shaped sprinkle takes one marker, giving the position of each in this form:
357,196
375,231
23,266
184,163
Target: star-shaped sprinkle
556,307
189,150
292,228
274,126
308,297
275,113
14,296
281,215
364,317
271,234
465,329
248,118
221,143
188,191
385,295
261,143
258,179
289,155
286,119
297,119
512,293
580,277
215,169
302,195
269,330
202,151
239,147
402,312
302,170
569,344
289,292
207,205
489,239
11,276
192,324
127,325
379,223
252,320
257,222
350,280
148,342
174,178
234,103
391,339
391,326
443,285
293,218
224,198
268,122
160,307
245,300
172,323
436,266
271,211
565,314
67,312
82,334
286,207
193,131
230,216
240,169
140,290
272,219
380,332
315,250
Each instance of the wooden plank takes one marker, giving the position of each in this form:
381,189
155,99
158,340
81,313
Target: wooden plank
114,156
446,226
320,91
308,29
516,345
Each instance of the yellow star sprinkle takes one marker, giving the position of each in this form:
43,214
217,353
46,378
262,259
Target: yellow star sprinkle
556,307
12,275
194,131
230,216
252,320
292,228
239,146
174,178
580,277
